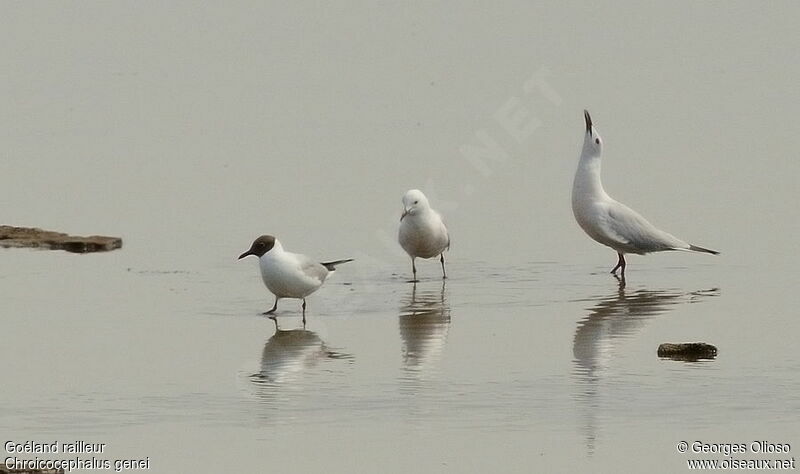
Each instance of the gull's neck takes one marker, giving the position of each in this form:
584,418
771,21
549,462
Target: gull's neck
275,252
587,182
424,211
421,213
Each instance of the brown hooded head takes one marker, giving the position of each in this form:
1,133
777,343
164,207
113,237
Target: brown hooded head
260,246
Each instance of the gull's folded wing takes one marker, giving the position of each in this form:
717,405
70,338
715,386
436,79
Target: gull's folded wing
633,233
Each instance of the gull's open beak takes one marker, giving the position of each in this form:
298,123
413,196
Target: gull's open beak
249,252
588,121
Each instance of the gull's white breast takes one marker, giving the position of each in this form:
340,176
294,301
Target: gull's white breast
289,275
423,235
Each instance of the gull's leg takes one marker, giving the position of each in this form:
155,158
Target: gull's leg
274,307
444,273
414,270
304,313
620,264
621,281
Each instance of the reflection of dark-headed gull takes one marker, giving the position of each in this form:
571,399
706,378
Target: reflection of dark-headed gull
286,274
608,221
289,352
422,232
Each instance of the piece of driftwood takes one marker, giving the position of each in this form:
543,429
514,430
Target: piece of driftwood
38,238
688,351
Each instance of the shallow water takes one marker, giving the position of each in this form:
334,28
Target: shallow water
222,124
481,370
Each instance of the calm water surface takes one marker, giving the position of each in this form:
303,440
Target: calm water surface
517,364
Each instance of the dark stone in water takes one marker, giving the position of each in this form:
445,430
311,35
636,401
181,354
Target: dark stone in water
38,238
687,351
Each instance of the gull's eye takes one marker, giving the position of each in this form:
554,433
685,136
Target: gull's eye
416,202
597,140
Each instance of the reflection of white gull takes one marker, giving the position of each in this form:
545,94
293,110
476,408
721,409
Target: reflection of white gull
600,334
617,317
608,221
424,323
288,353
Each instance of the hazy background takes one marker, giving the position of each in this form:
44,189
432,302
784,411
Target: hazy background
190,128
306,119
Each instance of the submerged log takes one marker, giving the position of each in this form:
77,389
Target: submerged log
687,351
38,238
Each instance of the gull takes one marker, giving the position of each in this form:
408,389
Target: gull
422,233
286,274
608,221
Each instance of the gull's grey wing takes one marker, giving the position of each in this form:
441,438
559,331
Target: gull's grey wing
633,233
444,229
313,269
447,234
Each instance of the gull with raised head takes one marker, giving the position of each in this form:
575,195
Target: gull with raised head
608,221
422,233
286,274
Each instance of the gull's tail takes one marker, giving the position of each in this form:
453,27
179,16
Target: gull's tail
695,248
331,266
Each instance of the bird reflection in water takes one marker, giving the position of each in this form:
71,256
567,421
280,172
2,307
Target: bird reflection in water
290,353
601,334
424,323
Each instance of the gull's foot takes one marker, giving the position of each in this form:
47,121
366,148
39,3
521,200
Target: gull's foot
265,313
412,281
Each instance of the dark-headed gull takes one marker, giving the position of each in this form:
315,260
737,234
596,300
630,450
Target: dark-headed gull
286,274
